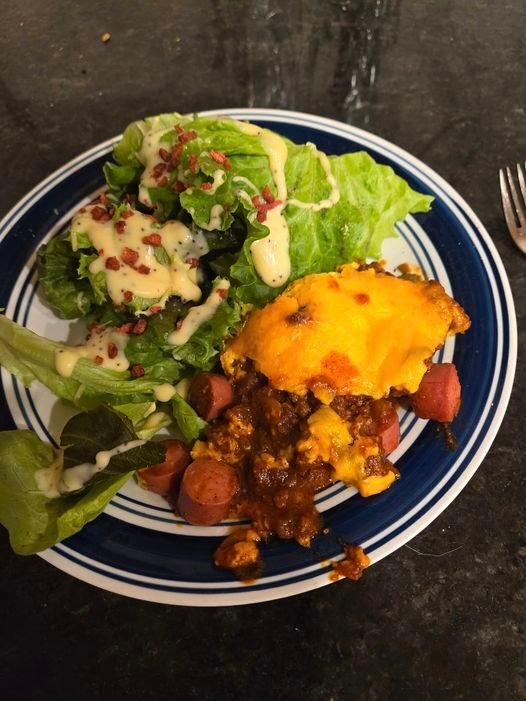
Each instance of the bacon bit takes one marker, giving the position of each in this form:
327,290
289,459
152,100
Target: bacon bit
164,154
127,214
187,136
82,210
103,199
221,292
163,181
219,157
158,170
264,207
261,216
155,309
128,295
98,212
129,256
143,269
152,240
192,262
94,326
178,186
206,186
98,360
139,327
137,370
120,226
178,128
193,165
125,328
130,198
257,201
267,195
113,351
112,263
177,151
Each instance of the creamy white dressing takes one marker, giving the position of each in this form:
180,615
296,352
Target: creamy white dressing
149,157
271,253
182,388
100,347
334,195
163,280
246,182
164,392
200,314
219,178
215,218
54,481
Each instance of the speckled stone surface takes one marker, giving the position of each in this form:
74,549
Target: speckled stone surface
444,617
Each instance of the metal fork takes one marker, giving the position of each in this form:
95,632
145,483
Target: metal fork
514,205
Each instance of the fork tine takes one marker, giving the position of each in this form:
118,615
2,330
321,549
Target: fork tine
519,206
522,180
507,205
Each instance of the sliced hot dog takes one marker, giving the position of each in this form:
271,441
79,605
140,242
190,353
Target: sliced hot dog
207,491
389,432
210,394
164,478
438,396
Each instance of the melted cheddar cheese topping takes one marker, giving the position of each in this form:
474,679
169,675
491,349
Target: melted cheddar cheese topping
329,439
347,333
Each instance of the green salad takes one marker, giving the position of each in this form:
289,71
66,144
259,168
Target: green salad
203,218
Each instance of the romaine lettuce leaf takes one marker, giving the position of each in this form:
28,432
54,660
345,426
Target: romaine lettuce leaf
188,422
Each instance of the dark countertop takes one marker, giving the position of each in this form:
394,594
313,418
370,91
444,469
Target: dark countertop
441,78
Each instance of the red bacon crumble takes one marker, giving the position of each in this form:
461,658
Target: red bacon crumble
178,186
130,197
82,210
127,213
221,292
206,186
129,256
112,263
98,212
267,194
120,226
126,328
139,327
158,170
163,181
137,371
155,309
98,360
219,157
113,351
193,165
164,154
128,295
152,240
143,269
192,262
257,201
187,136
178,128
103,199
177,150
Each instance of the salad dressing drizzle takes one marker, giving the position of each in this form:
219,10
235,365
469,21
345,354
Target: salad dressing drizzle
178,277
334,195
200,314
54,481
98,345
148,156
164,392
